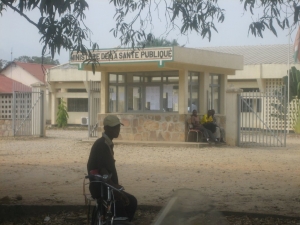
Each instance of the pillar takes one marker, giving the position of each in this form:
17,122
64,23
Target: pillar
54,105
204,87
39,113
104,92
223,88
183,92
232,116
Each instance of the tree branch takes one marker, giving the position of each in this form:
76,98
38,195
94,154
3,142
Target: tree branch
22,14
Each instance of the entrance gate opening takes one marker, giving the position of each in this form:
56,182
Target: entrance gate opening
262,118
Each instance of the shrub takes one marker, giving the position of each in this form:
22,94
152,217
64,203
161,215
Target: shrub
62,114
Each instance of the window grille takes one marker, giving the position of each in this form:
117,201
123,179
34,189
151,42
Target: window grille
6,106
77,105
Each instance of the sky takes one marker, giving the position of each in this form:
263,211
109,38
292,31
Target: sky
18,37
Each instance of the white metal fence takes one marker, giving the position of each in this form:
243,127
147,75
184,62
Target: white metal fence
94,108
262,119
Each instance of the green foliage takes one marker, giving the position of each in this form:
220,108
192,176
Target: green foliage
294,87
294,95
2,63
35,59
62,114
281,103
158,42
297,124
62,23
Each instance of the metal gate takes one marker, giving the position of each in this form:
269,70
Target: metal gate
262,118
28,112
94,108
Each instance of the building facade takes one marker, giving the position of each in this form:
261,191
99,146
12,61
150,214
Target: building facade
72,85
154,90
264,68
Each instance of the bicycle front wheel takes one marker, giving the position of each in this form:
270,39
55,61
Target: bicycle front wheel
97,217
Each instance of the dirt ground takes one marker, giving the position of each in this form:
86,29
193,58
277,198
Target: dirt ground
50,171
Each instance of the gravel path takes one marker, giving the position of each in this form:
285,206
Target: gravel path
50,171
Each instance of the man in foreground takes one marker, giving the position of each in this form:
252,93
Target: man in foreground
101,161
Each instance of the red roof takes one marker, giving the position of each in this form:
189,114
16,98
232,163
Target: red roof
35,69
6,84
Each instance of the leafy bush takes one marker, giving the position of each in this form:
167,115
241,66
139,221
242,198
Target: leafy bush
62,114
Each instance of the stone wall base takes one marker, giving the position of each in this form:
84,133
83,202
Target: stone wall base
6,128
150,127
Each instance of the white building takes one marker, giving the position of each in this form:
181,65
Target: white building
264,65
264,68
67,82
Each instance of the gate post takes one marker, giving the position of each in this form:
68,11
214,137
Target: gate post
41,89
232,117
14,113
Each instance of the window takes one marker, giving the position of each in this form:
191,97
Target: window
250,89
170,97
117,93
144,91
76,90
134,98
193,92
77,105
152,98
214,93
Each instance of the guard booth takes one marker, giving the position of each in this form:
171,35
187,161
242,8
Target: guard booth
153,90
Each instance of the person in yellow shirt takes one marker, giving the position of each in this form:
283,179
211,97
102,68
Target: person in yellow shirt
198,126
208,122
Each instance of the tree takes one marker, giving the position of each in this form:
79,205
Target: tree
291,99
158,42
61,23
2,63
35,59
294,97
294,83
62,114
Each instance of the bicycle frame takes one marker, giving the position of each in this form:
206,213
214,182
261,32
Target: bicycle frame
102,210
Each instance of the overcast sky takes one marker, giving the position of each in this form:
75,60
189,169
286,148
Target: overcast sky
21,38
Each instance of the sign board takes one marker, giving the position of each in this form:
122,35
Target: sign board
105,56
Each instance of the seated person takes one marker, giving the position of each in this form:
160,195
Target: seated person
208,122
197,126
219,129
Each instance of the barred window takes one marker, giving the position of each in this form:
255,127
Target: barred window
77,105
145,91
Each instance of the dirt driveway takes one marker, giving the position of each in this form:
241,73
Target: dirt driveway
50,171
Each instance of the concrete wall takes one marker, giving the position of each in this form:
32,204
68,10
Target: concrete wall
6,128
70,73
75,117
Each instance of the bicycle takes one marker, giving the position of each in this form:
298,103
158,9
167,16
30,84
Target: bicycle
102,213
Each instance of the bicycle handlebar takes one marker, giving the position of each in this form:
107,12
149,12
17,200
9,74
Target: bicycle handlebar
97,178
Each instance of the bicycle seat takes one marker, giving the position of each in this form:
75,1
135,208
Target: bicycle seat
98,177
